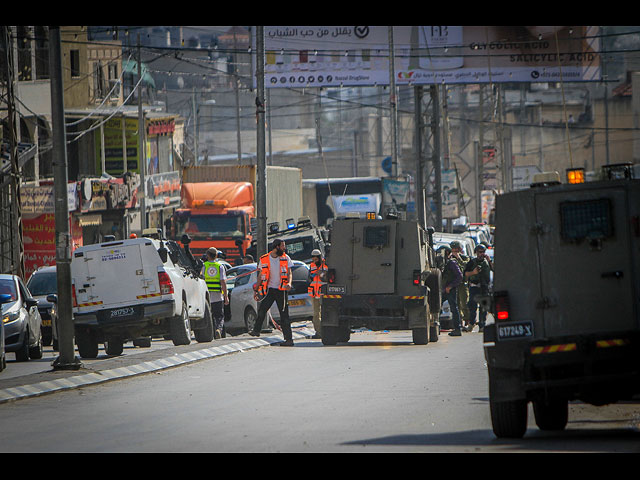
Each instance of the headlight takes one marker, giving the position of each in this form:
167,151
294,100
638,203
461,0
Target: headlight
10,317
52,311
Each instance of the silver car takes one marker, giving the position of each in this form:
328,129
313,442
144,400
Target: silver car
244,309
21,320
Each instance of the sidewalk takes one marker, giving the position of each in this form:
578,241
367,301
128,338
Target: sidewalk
113,368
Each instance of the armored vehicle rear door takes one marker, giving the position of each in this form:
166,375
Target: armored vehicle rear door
585,264
374,258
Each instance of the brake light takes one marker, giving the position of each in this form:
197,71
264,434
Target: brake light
166,286
331,275
416,277
73,295
501,305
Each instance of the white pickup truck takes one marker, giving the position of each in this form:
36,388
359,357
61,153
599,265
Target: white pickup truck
134,289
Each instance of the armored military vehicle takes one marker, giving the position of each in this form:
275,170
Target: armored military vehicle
381,276
566,302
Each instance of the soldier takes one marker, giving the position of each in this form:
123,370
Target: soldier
451,278
317,273
478,273
463,288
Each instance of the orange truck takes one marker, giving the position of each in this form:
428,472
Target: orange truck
219,205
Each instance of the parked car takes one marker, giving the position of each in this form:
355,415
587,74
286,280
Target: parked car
4,298
243,307
468,244
42,283
137,288
21,320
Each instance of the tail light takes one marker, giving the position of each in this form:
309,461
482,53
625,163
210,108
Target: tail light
501,306
416,277
331,275
166,287
73,295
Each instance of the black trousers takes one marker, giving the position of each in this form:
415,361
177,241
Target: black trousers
282,301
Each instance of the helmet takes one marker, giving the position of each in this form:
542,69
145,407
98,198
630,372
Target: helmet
455,244
480,247
316,253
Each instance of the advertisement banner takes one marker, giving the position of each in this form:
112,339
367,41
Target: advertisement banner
450,193
356,203
323,56
40,199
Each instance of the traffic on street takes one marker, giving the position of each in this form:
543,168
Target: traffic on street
408,247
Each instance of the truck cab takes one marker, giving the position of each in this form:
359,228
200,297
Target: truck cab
565,301
216,214
381,276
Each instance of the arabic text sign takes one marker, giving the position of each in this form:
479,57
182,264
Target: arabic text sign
319,56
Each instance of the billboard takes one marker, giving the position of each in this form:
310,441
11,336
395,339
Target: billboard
330,56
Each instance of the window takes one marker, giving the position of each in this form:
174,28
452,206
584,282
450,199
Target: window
376,236
590,219
75,63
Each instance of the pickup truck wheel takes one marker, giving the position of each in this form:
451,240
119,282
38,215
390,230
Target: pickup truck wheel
113,346
205,334
181,327
250,317
551,415
87,344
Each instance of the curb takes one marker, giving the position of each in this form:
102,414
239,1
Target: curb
68,383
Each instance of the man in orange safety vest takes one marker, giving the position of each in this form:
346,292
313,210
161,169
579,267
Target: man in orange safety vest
274,283
317,273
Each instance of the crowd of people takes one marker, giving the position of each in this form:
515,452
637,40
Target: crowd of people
463,279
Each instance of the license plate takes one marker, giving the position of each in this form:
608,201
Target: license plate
336,289
46,323
122,312
515,330
296,303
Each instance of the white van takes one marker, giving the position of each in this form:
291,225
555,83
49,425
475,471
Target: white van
129,289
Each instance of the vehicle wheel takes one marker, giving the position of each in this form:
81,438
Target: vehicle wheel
434,298
181,328
434,332
205,334
22,355
509,419
35,352
250,317
420,336
3,362
344,334
552,415
113,346
47,339
329,335
87,343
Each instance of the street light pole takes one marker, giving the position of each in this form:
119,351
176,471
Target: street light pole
67,359
261,173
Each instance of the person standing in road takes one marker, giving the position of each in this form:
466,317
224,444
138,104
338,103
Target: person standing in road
478,273
463,288
317,273
216,279
274,283
451,279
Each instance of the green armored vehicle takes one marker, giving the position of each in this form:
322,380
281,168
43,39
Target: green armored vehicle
566,302
382,276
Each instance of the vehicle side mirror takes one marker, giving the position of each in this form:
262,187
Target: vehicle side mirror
164,254
52,298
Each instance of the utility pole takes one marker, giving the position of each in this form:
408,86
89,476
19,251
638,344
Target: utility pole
142,157
236,84
435,127
16,243
418,151
394,107
67,359
261,173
